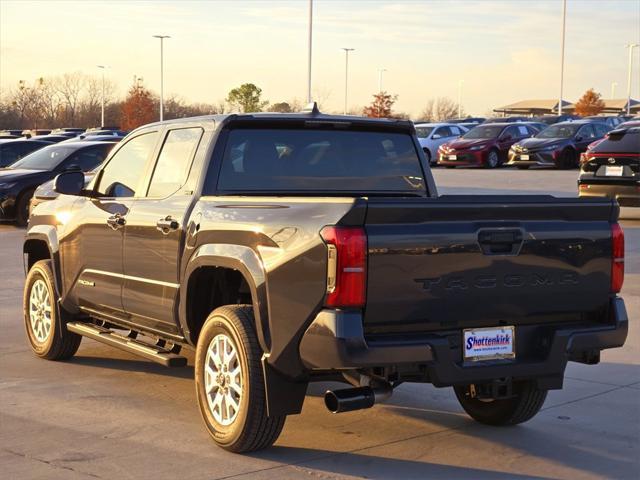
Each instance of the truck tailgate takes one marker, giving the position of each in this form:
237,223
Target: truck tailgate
473,261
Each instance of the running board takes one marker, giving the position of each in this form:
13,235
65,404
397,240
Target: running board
150,352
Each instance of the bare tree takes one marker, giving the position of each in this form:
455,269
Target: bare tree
70,87
439,110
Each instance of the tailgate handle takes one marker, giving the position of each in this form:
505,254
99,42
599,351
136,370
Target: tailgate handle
500,242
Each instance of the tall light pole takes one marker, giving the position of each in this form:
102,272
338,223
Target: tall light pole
346,75
613,89
380,71
310,50
460,98
564,23
630,46
102,67
161,37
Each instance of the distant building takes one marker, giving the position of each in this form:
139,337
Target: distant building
535,107
550,107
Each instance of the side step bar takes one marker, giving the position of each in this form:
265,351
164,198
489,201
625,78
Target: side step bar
128,344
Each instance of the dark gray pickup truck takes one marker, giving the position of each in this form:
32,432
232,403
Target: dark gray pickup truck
292,248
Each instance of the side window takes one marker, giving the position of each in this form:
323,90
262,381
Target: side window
444,132
587,132
512,131
123,173
87,158
455,131
523,131
601,130
174,161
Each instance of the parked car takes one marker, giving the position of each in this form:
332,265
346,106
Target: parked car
539,126
94,138
612,121
612,168
432,135
46,192
11,132
559,145
53,138
629,123
467,121
512,119
36,131
487,145
468,126
18,182
12,150
292,248
552,119
72,130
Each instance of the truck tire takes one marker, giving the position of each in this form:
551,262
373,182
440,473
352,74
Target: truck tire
525,404
230,382
44,319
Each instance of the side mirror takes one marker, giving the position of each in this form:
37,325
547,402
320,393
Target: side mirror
69,183
436,136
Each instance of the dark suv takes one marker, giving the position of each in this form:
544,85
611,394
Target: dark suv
612,168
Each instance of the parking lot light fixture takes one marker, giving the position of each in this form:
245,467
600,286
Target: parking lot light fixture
564,23
460,98
346,75
310,49
380,72
102,67
630,46
161,37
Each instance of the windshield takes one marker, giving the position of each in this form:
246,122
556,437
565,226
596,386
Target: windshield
483,131
47,158
559,131
423,132
324,160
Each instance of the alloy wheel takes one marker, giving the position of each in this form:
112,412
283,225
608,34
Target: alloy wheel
223,380
40,311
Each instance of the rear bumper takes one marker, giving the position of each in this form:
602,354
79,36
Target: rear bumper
626,195
335,341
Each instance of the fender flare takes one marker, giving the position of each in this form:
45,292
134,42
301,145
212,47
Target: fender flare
48,235
248,263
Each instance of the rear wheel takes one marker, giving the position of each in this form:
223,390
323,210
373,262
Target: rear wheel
45,321
230,382
568,159
526,402
493,159
22,208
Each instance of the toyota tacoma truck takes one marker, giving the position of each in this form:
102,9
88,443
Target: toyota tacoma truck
294,248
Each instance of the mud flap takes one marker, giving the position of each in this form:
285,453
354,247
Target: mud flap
283,396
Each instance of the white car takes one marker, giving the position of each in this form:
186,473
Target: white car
432,135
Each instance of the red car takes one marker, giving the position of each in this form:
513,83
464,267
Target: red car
486,145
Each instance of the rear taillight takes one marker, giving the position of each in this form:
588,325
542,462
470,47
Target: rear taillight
617,257
346,266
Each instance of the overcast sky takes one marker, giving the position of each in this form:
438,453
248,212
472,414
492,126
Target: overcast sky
504,51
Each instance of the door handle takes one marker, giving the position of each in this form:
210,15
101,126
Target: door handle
167,224
116,221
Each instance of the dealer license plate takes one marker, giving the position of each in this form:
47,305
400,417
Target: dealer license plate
489,343
524,157
613,171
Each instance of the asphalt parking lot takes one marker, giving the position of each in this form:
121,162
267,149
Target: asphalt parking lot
107,414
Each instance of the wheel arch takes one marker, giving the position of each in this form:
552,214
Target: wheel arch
41,243
241,267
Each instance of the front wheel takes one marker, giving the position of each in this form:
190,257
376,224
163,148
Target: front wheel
230,382
44,319
526,402
492,159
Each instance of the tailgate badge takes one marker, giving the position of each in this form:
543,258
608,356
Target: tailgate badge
611,160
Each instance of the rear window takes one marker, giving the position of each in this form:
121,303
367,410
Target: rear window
291,160
628,142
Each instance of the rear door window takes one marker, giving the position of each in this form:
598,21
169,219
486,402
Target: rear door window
174,162
290,160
